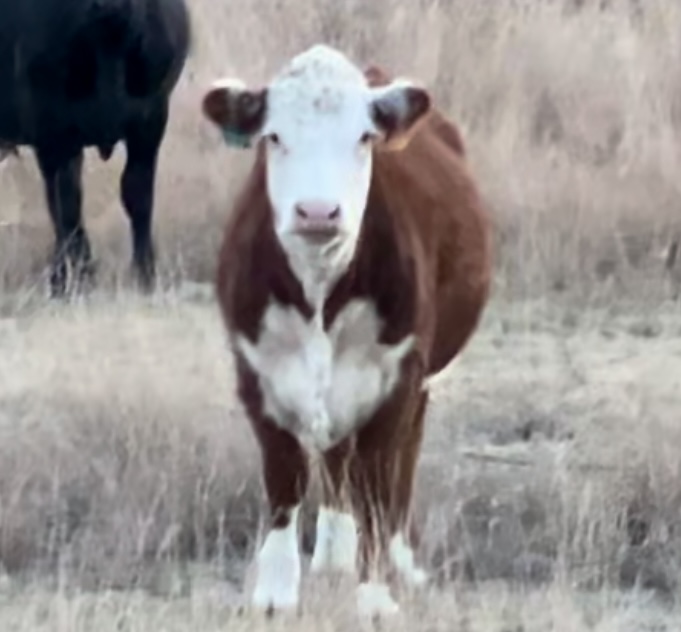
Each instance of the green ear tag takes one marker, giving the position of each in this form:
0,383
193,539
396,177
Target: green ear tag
234,139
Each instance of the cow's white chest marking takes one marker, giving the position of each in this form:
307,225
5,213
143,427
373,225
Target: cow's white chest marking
322,385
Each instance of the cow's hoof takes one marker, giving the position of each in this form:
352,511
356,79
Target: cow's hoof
374,601
402,556
279,569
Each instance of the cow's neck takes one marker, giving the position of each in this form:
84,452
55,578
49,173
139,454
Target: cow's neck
318,270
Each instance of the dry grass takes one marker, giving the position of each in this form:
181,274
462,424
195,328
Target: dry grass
550,464
550,480
572,118
493,609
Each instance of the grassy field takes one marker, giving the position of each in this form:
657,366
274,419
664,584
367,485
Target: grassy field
550,481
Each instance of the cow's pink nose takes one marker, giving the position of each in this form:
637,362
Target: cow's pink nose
317,211
317,219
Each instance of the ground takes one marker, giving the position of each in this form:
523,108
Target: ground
543,491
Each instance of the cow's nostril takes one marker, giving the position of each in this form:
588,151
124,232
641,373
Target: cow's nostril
300,212
335,213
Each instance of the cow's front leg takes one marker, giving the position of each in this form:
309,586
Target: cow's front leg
402,539
336,540
286,476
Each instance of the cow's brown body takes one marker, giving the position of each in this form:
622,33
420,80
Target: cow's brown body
423,260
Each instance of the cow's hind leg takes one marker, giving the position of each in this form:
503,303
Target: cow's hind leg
372,485
62,178
143,140
336,538
286,478
336,543
403,540
381,472
375,478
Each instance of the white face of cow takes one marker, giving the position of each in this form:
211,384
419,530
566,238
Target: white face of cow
320,120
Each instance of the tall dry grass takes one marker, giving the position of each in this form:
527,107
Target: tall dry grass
571,111
551,451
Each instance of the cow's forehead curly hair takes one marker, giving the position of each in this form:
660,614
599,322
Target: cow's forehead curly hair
318,79
320,64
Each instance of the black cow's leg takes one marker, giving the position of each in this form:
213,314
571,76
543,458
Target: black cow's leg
62,180
143,140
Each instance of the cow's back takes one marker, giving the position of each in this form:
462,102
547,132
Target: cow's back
430,192
82,67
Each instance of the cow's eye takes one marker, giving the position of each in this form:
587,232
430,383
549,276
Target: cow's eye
366,138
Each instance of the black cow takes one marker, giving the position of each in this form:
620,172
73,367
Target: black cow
91,73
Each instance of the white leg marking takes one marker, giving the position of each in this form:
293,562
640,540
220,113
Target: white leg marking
374,599
402,556
278,576
336,544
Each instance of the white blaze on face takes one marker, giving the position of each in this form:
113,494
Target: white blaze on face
320,120
318,130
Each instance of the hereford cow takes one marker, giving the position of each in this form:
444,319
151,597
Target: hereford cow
82,73
355,266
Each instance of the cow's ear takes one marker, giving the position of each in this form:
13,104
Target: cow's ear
238,112
396,108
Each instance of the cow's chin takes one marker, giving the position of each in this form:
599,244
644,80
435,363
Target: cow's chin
321,242
316,243
318,263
